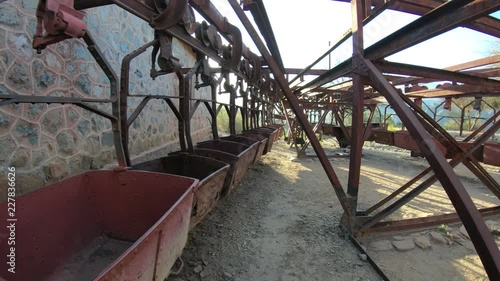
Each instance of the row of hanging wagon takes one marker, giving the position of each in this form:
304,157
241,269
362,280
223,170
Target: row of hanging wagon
132,222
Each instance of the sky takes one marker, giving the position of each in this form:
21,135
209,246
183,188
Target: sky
303,32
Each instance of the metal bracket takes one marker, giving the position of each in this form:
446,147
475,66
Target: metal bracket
359,66
232,54
167,62
57,21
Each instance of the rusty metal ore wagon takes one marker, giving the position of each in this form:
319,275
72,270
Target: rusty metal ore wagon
101,225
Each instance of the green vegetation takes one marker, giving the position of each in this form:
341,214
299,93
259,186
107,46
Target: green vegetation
223,122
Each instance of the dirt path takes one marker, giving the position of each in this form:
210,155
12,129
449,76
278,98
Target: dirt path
282,224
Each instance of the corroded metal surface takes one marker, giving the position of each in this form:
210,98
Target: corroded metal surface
245,156
371,77
58,223
261,145
210,173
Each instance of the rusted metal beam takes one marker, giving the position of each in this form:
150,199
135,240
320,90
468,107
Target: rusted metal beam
475,63
358,14
444,18
438,74
260,17
454,91
292,99
210,12
425,222
471,218
297,71
315,129
345,36
487,24
341,123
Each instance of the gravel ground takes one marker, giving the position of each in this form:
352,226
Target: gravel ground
279,224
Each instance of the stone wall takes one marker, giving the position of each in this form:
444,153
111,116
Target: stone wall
47,143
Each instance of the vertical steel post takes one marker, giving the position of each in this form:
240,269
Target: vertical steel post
122,155
358,105
215,130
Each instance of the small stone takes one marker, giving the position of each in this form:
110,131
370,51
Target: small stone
18,78
227,275
20,44
53,121
10,16
198,269
82,83
7,147
398,238
363,257
55,170
423,242
20,158
66,142
83,127
205,273
71,116
71,70
382,245
80,163
404,245
44,81
39,156
438,237
25,131
35,110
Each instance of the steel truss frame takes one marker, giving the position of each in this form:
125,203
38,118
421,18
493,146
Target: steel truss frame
365,69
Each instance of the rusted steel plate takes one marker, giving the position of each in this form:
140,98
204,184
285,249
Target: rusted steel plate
491,153
261,144
338,133
277,129
230,159
263,139
383,136
100,225
245,156
210,173
478,154
268,133
403,139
